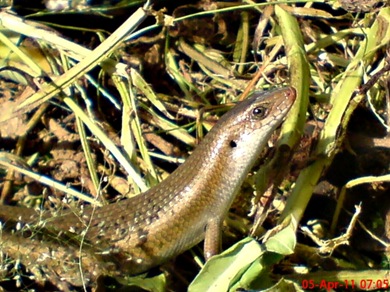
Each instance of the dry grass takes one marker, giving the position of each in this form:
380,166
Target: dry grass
98,117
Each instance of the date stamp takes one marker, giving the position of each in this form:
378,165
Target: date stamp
365,284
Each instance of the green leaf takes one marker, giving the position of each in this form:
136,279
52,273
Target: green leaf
223,270
284,241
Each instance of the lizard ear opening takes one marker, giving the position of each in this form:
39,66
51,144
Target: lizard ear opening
233,144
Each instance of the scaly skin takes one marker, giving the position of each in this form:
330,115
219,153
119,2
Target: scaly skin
134,235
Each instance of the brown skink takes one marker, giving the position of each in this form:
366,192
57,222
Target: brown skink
139,233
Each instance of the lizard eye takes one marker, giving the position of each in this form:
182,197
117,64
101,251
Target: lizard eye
259,111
